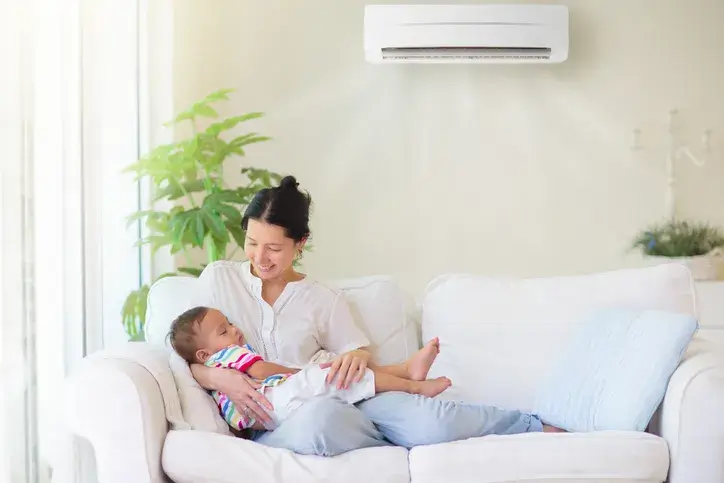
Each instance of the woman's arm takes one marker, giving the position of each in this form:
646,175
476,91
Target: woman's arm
237,386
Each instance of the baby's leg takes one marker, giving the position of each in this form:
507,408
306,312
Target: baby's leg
417,366
310,383
385,382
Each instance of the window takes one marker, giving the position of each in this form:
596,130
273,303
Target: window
71,102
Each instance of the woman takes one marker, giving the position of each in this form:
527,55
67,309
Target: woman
293,320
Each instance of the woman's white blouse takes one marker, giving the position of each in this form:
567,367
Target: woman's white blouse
309,322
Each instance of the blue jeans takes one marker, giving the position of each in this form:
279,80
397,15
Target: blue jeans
328,426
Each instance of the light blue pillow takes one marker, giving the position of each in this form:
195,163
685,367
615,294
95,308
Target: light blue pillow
615,370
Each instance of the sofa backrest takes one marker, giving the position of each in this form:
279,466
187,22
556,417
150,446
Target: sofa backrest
381,309
499,338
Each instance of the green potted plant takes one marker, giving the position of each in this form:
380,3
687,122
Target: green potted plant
206,212
698,245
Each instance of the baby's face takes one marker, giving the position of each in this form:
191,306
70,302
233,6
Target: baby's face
216,333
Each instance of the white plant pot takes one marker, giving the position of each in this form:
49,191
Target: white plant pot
702,267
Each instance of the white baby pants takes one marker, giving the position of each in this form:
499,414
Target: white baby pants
311,383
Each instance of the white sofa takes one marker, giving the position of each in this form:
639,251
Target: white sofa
131,418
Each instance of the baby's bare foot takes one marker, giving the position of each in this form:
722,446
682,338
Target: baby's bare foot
552,429
431,387
419,365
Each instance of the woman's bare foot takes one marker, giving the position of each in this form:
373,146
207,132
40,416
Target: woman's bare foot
419,365
553,429
430,387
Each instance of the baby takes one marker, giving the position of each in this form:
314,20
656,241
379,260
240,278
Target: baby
205,336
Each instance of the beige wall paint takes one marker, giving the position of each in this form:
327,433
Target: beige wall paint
503,170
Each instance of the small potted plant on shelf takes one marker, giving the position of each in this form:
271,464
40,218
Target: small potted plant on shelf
697,245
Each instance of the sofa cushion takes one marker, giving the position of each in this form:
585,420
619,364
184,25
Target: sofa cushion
623,457
168,298
615,370
198,457
198,408
386,314
500,337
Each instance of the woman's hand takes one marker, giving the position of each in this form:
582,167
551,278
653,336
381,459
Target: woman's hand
242,391
347,368
239,388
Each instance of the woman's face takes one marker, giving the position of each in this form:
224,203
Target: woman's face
268,248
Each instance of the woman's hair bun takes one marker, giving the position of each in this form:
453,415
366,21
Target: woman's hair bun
284,205
288,182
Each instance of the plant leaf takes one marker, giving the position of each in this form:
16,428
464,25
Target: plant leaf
175,190
180,224
205,110
184,116
225,196
231,213
676,238
200,230
191,270
133,218
220,246
216,225
237,143
217,128
237,233
219,95
156,241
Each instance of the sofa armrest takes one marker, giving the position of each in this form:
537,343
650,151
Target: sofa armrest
690,417
114,419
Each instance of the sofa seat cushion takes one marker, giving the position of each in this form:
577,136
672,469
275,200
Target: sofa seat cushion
204,457
603,456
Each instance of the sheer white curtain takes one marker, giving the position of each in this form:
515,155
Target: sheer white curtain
70,96
17,376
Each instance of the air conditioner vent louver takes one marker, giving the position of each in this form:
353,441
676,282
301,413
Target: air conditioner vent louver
465,53
466,34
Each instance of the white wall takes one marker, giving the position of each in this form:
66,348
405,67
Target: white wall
510,170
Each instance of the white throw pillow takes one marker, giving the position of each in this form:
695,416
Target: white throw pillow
198,407
386,314
167,299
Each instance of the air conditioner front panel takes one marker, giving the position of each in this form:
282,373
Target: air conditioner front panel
439,32
446,35
393,15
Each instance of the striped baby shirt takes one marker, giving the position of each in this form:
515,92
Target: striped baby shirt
240,358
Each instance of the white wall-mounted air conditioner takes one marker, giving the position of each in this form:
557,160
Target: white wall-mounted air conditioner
466,33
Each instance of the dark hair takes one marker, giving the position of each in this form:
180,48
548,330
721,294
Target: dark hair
285,206
184,330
